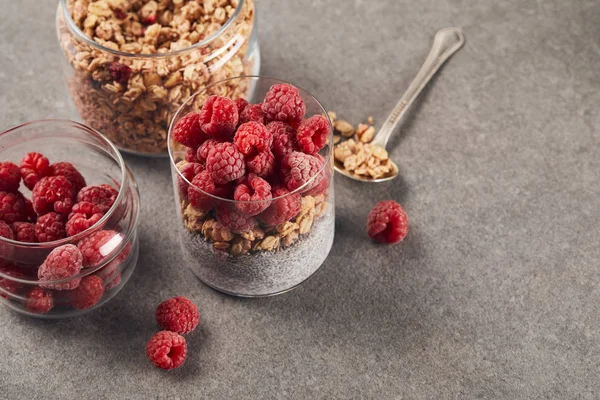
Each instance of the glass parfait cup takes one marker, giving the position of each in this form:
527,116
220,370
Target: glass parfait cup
268,253
111,264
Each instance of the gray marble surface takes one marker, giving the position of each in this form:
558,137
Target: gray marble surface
494,294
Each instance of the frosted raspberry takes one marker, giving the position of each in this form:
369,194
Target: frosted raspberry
203,150
98,246
63,262
67,170
219,117
252,112
241,104
282,209
39,301
167,350
102,196
25,232
284,103
284,138
312,134
298,168
177,315
10,177
34,166
53,193
387,222
88,293
85,216
234,220
225,163
189,171
255,190
252,138
8,285
190,155
262,164
188,131
119,72
202,184
12,207
50,227
321,183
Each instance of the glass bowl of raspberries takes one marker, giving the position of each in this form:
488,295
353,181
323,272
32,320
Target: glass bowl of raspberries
253,180
68,219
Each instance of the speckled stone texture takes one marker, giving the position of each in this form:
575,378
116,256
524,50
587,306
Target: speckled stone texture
494,294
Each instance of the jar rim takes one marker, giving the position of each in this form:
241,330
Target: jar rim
82,36
327,158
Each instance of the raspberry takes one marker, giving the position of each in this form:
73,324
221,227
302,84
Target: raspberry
284,138
241,104
177,315
86,216
257,191
283,103
252,138
219,117
50,227
39,301
225,163
25,232
188,132
234,220
202,184
88,293
312,134
387,222
70,172
298,168
12,207
30,214
252,112
167,350
8,285
97,246
53,193
34,166
203,150
10,176
110,274
321,183
119,72
190,155
5,231
101,196
189,171
282,209
62,262
263,164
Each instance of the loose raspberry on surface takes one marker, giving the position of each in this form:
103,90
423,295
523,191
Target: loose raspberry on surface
202,184
203,150
24,232
50,227
255,190
262,164
225,163
98,246
12,207
167,350
241,104
252,138
39,301
297,169
188,171
282,209
312,134
234,220
10,177
190,155
177,315
387,222
67,170
219,117
119,72
63,262
284,138
188,131
252,112
7,285
88,293
34,166
284,103
102,196
84,216
53,193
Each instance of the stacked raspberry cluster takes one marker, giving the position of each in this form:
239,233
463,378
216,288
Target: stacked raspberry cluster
61,206
256,154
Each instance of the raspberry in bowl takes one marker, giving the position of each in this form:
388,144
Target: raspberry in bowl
68,219
253,179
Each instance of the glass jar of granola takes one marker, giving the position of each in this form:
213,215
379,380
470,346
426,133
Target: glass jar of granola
130,64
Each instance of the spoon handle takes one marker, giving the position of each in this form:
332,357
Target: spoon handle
447,41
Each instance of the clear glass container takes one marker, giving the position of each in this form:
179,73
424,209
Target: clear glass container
100,163
266,259
131,97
